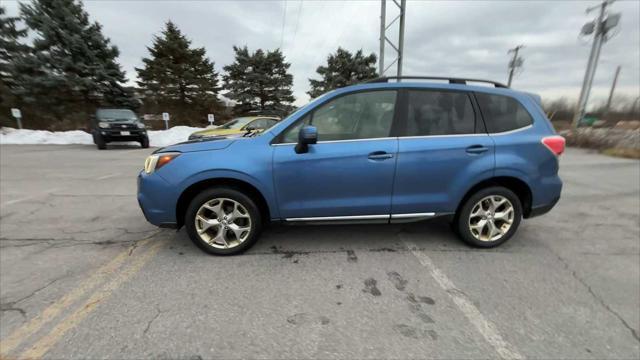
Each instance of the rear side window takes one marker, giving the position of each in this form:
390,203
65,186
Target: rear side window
439,113
502,113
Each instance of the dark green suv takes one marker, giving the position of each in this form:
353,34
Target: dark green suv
109,125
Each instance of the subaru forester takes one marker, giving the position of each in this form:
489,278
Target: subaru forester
391,150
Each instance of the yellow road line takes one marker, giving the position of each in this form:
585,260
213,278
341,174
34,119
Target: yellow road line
34,325
45,343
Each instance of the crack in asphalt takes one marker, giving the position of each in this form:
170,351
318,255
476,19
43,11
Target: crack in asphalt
574,274
148,327
11,305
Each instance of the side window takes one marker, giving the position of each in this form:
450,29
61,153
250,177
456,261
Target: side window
257,124
361,115
502,113
439,113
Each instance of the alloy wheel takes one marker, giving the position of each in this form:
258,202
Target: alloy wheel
491,218
223,223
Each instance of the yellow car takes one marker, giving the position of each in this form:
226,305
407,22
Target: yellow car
236,126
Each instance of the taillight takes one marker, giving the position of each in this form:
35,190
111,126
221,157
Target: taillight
555,144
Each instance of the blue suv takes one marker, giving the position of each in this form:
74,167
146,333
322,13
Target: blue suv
391,150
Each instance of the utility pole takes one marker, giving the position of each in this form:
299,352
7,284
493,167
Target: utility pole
600,28
613,88
515,62
402,6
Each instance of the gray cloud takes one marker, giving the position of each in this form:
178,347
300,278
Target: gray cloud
454,38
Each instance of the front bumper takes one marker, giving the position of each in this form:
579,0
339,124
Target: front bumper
122,135
157,200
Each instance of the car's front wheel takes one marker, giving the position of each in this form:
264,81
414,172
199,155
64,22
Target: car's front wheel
489,217
223,221
100,143
144,142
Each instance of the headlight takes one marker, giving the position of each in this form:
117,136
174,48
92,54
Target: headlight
140,125
103,125
156,161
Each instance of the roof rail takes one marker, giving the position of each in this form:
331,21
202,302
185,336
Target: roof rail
450,79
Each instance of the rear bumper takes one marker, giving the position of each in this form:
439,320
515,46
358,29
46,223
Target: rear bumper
542,209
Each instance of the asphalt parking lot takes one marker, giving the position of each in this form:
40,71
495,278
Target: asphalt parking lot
82,275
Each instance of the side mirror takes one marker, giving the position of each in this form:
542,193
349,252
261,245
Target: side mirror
308,135
250,128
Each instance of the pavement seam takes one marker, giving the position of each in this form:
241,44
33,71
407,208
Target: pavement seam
633,331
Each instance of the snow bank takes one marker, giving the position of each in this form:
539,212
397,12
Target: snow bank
174,135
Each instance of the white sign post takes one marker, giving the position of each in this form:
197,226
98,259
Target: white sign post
165,117
18,115
210,118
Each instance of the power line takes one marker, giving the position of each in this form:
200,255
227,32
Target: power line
284,21
295,32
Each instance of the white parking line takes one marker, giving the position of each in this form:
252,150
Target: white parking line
107,176
484,326
19,200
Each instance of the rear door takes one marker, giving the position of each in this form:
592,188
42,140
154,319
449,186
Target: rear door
443,150
349,172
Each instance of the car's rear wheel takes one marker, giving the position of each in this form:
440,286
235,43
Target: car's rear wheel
489,217
223,221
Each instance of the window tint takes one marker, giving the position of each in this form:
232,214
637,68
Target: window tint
361,115
439,113
502,113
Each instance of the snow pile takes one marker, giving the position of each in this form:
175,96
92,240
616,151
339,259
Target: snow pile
24,136
174,135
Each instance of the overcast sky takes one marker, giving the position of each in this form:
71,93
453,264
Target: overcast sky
442,38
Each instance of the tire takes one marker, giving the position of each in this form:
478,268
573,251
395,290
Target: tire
227,198
483,235
100,143
144,142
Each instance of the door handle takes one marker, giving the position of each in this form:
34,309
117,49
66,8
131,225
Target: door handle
380,155
477,149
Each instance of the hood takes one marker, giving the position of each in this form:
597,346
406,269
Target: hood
204,144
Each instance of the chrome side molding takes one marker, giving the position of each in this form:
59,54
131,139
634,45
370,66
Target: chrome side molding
409,217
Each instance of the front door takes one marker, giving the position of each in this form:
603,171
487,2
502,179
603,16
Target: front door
349,173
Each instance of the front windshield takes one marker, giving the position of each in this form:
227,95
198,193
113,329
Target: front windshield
236,124
116,114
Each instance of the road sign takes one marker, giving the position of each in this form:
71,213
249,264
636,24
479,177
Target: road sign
165,117
211,118
18,115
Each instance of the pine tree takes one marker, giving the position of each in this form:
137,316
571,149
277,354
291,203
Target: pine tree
178,78
11,50
343,69
72,67
259,81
